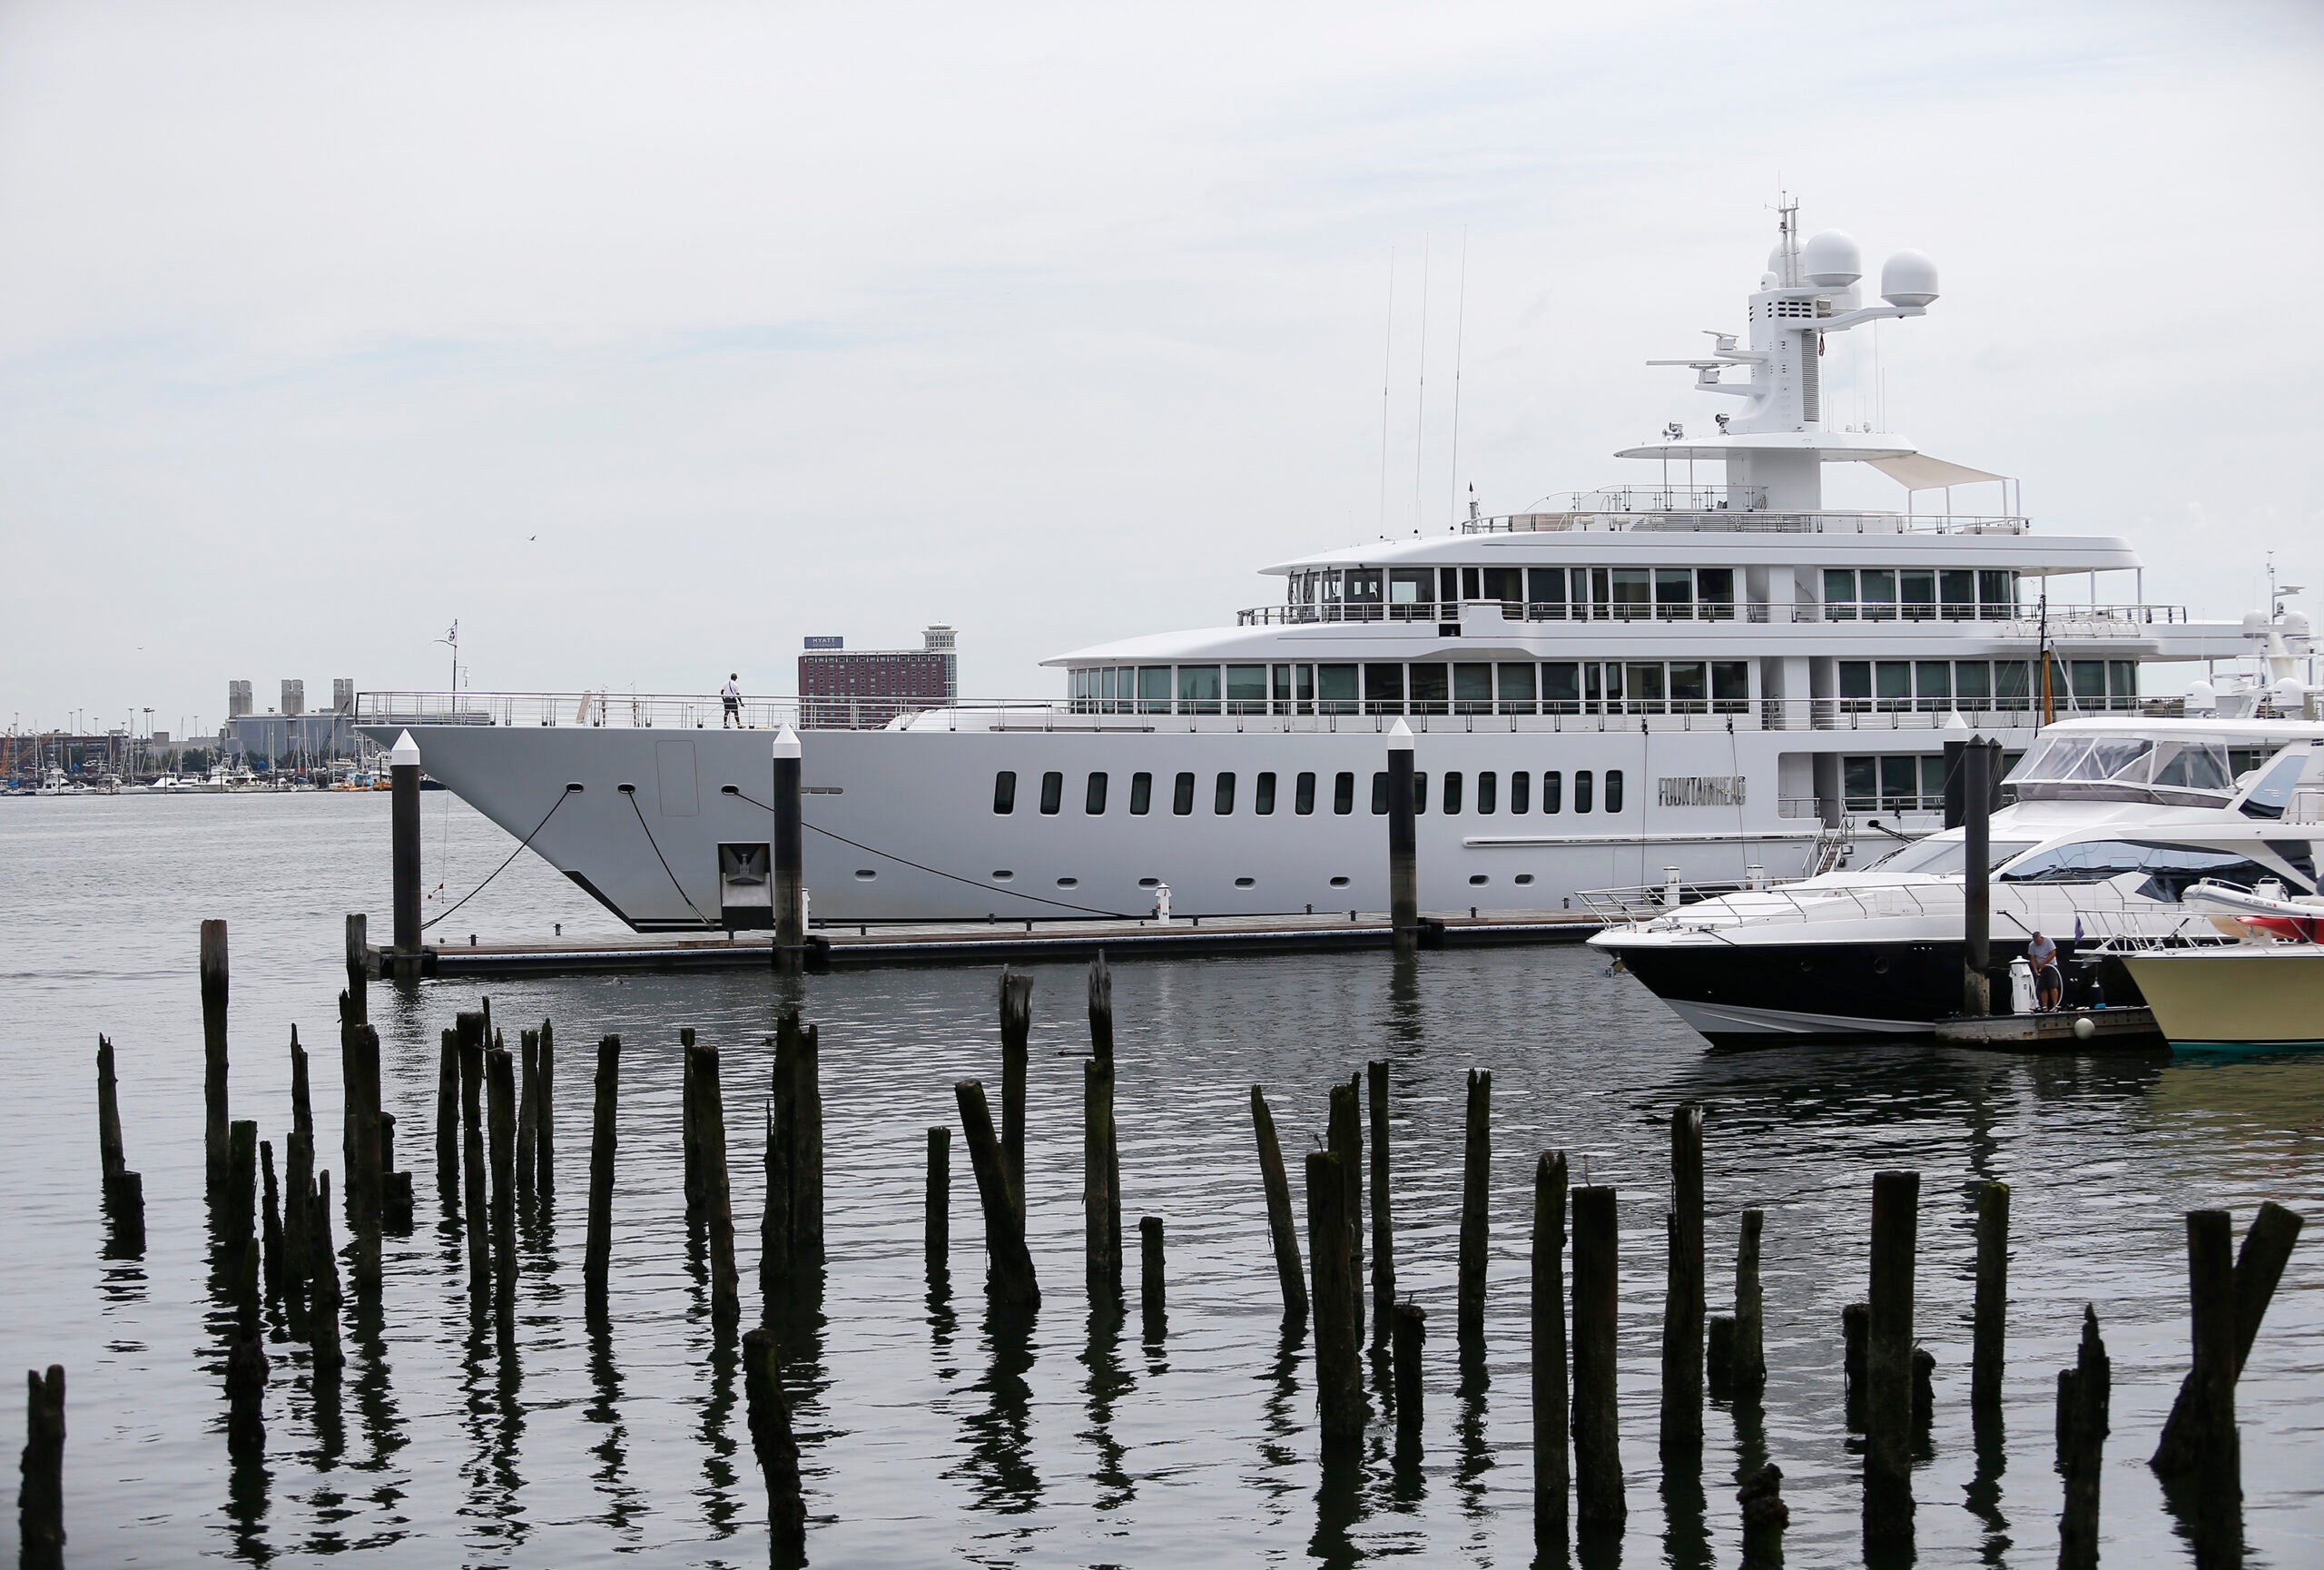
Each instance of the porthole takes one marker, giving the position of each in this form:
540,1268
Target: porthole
1339,883
1068,882
1880,965
1003,875
1477,879
1246,882
865,874
1148,883
1522,878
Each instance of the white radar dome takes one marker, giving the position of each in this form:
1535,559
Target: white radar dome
2255,623
2296,624
2287,696
1831,260
2202,697
1908,278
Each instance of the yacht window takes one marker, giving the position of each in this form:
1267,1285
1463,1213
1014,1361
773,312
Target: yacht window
1520,790
1933,681
1154,689
1601,592
1517,687
1428,689
1488,792
1412,586
1943,855
1957,595
2113,758
1344,794
1561,688
1631,586
2013,683
1731,685
2193,766
1004,791
1302,795
1363,587
2170,868
1714,593
1674,593
1860,783
1972,682
1328,583
1380,794
1303,679
1246,689
1856,681
1182,794
1141,794
1452,792
1198,690
1839,594
1262,802
1900,785
1383,689
1690,688
1420,791
1553,791
1581,781
2269,798
1473,689
1996,594
1505,584
1645,682
1545,593
2123,682
1613,790
1470,588
1876,592
1093,798
1222,798
1918,591
1448,588
1052,793
1335,689
1892,683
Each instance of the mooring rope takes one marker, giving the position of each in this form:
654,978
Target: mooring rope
658,857
503,868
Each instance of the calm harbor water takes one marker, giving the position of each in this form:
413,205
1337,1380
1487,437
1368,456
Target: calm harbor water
924,1439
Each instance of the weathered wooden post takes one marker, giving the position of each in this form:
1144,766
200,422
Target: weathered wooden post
545,1119
358,968
2210,1449
394,1199
2085,1398
1101,1008
937,1227
476,1201
598,1256
528,1107
239,1197
1683,1303
689,1125
1476,1200
500,1094
1282,1229
365,1151
125,1191
1101,1047
1008,1265
1339,1375
1404,840
447,1121
1888,1356
1597,1308
775,1446
40,1502
1989,1323
297,1207
213,1051
1383,1232
1764,1516
1552,1476
789,856
324,1300
1750,1319
1408,1335
717,1193
271,1221
1856,1320
1343,1137
1100,1205
2258,1266
1153,1299
1016,1033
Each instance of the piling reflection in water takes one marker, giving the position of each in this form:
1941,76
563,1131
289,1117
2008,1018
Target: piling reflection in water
1109,1382
999,1467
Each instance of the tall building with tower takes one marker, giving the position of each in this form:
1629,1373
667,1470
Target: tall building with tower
841,688
238,699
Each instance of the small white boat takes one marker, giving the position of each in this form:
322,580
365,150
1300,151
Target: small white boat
2266,989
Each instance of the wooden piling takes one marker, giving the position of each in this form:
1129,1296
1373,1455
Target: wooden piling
1765,1517
1407,1337
1101,1008
1989,1323
1101,1047
215,1133
792,1231
1856,1321
1152,1296
124,1190
359,965
297,1207
1383,1232
324,1297
545,1119
1552,1475
1888,1356
1339,1374
476,1202
239,1205
500,1094
1683,1303
40,1499
1718,1357
528,1107
1009,1264
303,1105
598,1255
2258,1266
365,1149
1476,1200
395,1195
447,1121
1101,1203
717,1192
937,1222
689,1129
2207,1427
777,1448
270,1232
1345,1136
1015,1034
2085,1402
1750,1376
1282,1229
1597,1306
246,1375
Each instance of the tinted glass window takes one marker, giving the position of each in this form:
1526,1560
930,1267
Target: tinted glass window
2170,868
1222,799
1420,791
1182,794
1553,791
1344,794
1262,802
1520,790
1303,795
1582,782
1093,800
1613,790
1004,791
1052,793
1452,791
1488,793
1380,794
2268,798
1141,792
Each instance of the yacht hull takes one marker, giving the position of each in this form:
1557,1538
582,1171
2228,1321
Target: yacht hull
2238,996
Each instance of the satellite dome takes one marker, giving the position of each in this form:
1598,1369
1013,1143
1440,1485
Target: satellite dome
2202,697
2287,696
1908,278
1831,260
2255,623
2295,624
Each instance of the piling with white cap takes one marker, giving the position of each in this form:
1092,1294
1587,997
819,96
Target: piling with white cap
403,775
790,869
1403,843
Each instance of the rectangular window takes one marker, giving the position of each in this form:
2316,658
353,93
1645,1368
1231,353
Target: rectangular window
1246,689
1420,791
2123,682
1263,801
1917,590
1335,689
1613,790
1839,594
1343,794
1383,689
1553,791
1957,595
1093,799
1507,585
1141,794
1303,798
2089,680
1488,793
1582,783
1876,589
1517,688
1632,586
1674,593
1900,789
2012,684
1364,589
1154,689
1601,592
1452,792
1302,677
1221,797
1690,688
1561,688
1520,792
1860,783
1731,685
1644,681
1893,683
1182,796
1933,783
1380,794
1004,791
1280,688
1545,593
1473,689
1411,592
1996,594
1856,683
1973,683
1714,593
1198,690
1428,689
1932,683
1470,588
1052,793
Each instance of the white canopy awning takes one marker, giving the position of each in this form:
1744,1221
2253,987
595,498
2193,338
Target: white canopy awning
1919,471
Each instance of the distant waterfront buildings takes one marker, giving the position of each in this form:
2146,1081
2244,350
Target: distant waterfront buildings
862,689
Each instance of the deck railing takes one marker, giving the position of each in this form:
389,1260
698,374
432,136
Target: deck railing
1730,520
2065,621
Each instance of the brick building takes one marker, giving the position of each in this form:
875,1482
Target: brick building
862,689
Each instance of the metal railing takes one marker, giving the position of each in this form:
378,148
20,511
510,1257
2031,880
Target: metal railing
2064,620
1719,521
2073,621
1448,611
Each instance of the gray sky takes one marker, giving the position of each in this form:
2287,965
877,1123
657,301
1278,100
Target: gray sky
644,340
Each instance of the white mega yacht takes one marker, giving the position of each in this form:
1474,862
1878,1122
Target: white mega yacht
1625,685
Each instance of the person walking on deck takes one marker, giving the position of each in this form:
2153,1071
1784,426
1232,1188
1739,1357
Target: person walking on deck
734,697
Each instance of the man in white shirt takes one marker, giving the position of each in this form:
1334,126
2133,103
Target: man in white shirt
734,697
2049,985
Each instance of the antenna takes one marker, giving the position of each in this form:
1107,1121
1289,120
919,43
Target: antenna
1387,365
1420,413
1459,334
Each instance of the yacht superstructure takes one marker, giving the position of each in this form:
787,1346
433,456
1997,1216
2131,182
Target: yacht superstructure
1727,681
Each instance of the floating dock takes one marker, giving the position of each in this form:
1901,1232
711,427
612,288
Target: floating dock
2058,1030
991,942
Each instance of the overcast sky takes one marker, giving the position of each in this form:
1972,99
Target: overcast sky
644,340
